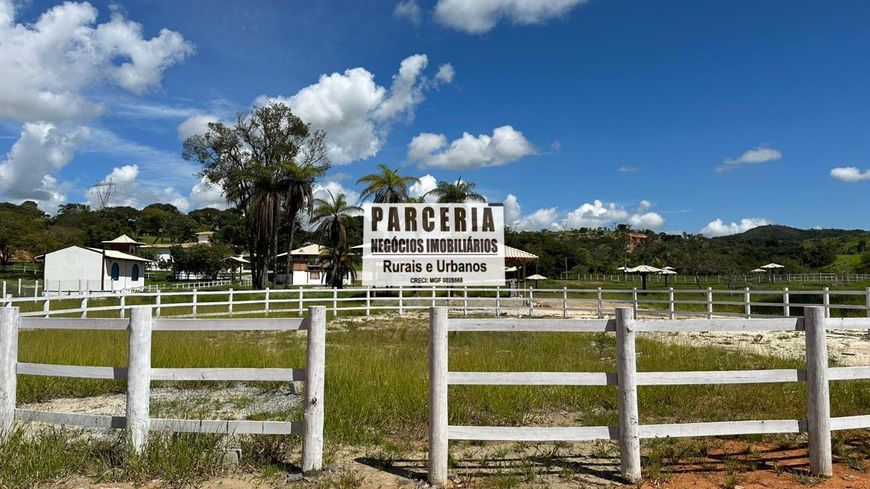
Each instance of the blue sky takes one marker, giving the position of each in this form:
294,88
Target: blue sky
680,115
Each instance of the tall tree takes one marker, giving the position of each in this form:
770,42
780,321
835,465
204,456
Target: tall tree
252,161
455,193
331,219
299,198
387,186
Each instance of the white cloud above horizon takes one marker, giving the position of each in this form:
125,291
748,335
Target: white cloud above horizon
506,145
49,67
595,214
753,156
356,112
850,174
480,17
718,227
410,11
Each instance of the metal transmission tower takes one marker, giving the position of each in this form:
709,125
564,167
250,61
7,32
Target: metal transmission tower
103,192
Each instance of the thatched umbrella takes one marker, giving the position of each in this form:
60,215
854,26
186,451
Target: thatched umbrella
536,277
667,271
643,271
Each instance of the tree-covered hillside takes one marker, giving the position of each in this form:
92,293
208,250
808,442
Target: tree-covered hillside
25,232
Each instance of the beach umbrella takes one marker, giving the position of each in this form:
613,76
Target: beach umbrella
536,277
667,271
643,271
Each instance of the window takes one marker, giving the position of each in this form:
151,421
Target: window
116,271
134,273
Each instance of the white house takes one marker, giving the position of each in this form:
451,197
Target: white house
305,265
77,268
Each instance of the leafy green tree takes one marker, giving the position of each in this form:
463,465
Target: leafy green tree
455,193
254,162
200,260
387,186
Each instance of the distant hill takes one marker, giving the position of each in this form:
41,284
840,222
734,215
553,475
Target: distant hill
774,232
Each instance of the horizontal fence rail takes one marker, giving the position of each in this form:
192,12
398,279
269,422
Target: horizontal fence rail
139,374
494,301
818,424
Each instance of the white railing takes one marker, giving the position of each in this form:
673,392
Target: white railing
498,301
629,431
718,279
139,374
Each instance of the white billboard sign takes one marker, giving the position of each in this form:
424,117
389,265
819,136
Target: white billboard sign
433,244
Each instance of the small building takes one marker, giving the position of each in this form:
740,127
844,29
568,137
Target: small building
163,251
83,269
124,244
306,266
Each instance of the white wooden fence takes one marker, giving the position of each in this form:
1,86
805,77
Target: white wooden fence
718,279
139,373
629,431
497,301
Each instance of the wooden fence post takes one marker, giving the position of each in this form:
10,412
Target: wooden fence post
634,301
35,290
626,366
826,300
438,441
122,305
818,395
19,287
747,303
46,306
368,300
671,303
531,302
600,303
84,307
334,302
709,302
301,299
786,307
267,301
230,302
498,301
8,368
158,302
565,302
139,378
401,310
315,373
465,301
868,301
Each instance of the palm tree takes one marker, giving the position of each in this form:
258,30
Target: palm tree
338,263
299,198
387,187
331,218
455,193
263,213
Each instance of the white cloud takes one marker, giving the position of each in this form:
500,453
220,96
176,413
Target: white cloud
194,125
481,16
422,186
721,228
323,189
589,215
205,194
504,146
48,65
628,169
445,73
41,150
128,190
356,112
850,174
410,11
753,156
